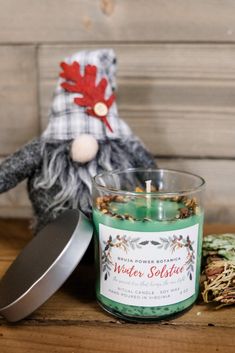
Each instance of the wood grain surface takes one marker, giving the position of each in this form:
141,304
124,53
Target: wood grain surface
116,20
71,320
18,98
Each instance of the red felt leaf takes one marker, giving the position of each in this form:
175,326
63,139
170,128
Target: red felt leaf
86,86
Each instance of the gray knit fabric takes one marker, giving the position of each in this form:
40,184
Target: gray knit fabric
20,165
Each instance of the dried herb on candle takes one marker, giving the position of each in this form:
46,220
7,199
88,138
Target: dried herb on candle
138,189
219,273
103,204
184,212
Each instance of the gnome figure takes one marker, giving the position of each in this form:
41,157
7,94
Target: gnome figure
84,137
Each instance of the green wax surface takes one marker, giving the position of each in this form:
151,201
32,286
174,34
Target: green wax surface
142,208
157,213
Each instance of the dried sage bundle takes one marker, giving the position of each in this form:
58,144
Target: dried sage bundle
218,277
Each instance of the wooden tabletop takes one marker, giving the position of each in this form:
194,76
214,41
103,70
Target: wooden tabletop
71,320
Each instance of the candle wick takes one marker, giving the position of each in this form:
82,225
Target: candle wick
148,184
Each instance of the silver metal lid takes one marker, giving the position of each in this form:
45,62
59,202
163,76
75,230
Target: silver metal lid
44,265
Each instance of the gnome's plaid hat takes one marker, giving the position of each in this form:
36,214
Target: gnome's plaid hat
68,119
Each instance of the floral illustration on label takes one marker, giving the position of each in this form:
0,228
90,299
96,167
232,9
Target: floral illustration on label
125,243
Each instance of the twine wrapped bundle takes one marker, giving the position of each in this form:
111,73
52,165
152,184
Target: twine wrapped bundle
218,277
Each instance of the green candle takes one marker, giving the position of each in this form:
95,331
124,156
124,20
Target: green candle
148,254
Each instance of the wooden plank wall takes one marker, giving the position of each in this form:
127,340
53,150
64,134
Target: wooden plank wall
176,80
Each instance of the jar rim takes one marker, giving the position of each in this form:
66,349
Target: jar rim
199,187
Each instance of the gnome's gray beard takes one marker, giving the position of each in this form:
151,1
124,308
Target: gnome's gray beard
70,183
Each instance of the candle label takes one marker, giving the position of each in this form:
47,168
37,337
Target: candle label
148,268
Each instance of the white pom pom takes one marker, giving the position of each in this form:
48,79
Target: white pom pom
84,148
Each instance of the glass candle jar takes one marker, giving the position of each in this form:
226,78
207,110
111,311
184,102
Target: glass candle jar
148,241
